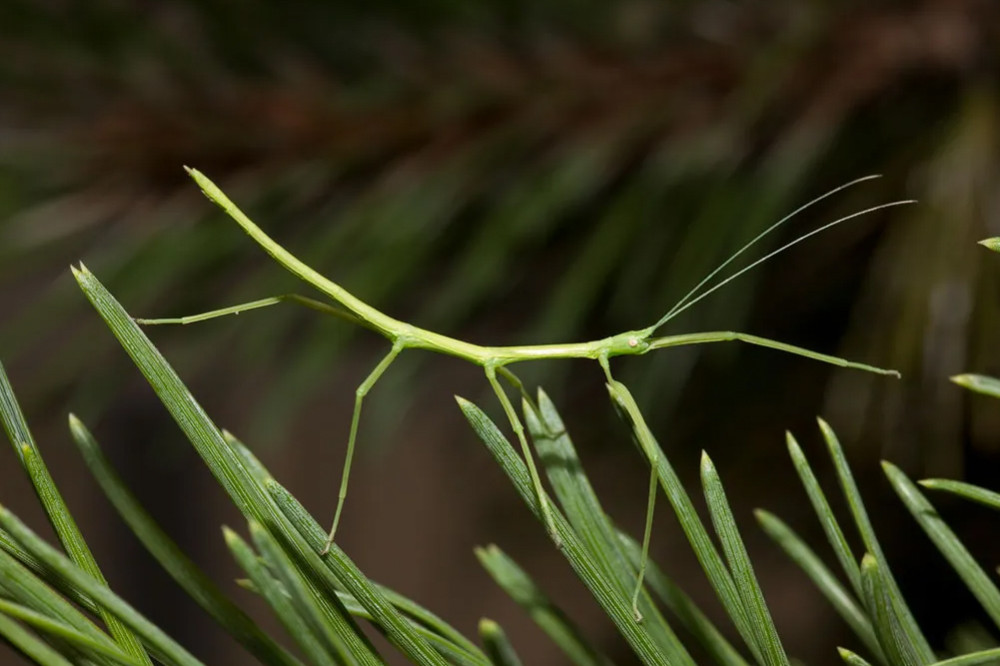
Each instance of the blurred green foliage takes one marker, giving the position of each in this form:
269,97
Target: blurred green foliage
322,598
450,162
514,172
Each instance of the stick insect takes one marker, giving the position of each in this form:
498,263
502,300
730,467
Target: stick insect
495,360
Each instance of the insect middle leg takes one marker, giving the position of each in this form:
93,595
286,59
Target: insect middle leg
359,396
536,481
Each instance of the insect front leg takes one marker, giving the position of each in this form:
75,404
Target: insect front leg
730,336
297,299
359,396
536,481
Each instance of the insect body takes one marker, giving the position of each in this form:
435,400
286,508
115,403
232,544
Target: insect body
495,361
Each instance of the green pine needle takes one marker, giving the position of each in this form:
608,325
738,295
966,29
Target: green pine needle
499,649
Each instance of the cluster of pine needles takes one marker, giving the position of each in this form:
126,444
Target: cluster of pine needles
56,607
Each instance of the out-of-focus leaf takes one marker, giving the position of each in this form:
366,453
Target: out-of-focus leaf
972,659
452,652
28,589
279,600
892,636
30,645
947,542
885,586
445,638
991,243
105,598
180,567
966,490
552,620
680,604
834,535
823,578
55,507
979,383
329,621
97,650
499,649
850,658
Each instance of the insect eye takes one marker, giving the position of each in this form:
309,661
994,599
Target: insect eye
632,342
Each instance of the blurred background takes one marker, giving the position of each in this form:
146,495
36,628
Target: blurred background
511,173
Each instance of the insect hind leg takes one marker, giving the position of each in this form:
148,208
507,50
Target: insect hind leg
646,537
653,456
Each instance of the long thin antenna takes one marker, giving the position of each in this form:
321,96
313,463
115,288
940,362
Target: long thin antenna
667,317
676,311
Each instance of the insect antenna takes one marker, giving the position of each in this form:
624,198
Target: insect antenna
676,310
718,269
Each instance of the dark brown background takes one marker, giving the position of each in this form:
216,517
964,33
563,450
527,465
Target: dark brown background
510,173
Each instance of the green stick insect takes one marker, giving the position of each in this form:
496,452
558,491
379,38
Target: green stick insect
495,360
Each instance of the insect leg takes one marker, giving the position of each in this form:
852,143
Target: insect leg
652,454
311,303
727,336
536,481
516,382
646,537
359,396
